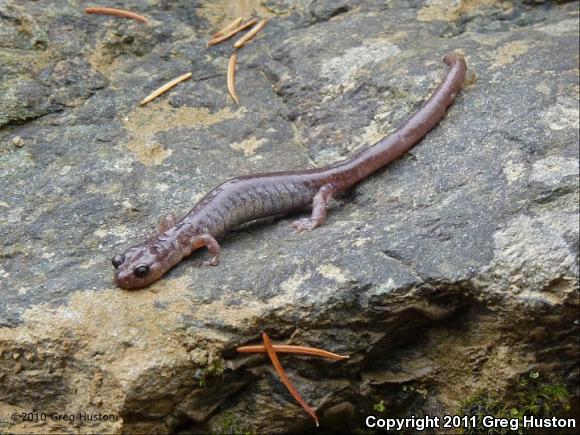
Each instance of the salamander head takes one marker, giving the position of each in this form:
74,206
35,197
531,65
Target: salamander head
138,267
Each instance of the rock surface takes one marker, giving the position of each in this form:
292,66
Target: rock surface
453,270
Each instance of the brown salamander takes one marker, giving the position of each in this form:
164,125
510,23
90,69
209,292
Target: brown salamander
250,197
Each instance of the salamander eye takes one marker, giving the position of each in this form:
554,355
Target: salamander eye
118,260
141,271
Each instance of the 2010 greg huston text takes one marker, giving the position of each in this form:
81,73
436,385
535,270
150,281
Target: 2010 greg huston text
467,422
79,417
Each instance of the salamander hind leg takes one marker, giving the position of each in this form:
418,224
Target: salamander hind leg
212,246
318,216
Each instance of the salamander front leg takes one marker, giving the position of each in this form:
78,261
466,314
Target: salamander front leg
167,222
212,246
318,216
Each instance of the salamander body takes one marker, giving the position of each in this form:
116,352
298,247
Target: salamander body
250,197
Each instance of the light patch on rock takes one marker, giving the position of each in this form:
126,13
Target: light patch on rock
221,12
150,153
375,131
20,159
70,315
327,157
4,204
531,254
162,187
106,322
333,272
544,88
17,141
237,316
381,377
549,297
561,28
446,10
362,241
293,283
553,169
340,70
385,288
120,232
101,233
201,357
91,263
145,122
124,164
248,146
102,60
257,158
513,171
196,197
508,53
563,114
14,215
112,323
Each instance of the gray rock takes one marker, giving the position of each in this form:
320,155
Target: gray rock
453,270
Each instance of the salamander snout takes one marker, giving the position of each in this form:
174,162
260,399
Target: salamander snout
138,267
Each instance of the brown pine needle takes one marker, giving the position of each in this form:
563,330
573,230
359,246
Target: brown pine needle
165,88
286,348
229,27
284,378
231,33
117,13
232,77
244,39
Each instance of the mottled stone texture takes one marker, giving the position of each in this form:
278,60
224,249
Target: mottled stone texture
453,270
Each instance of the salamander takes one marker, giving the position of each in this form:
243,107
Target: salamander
251,197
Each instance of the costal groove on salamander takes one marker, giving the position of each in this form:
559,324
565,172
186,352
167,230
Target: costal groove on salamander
250,197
